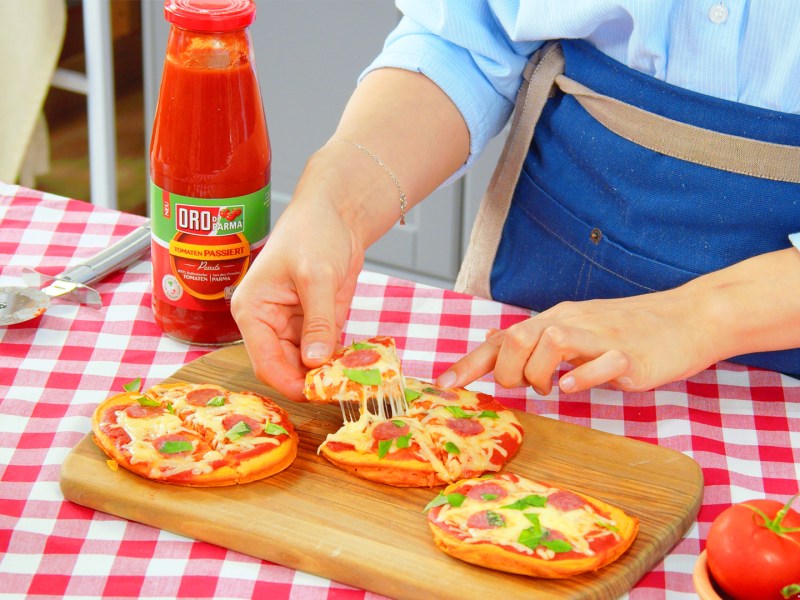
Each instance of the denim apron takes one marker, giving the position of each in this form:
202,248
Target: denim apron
590,206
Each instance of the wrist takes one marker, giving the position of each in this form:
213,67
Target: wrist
355,186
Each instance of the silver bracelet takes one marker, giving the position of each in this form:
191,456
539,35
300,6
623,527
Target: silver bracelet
403,200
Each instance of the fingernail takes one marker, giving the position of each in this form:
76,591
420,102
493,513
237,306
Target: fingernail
446,379
567,383
317,350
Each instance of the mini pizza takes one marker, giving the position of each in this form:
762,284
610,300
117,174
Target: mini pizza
510,523
445,435
359,373
197,435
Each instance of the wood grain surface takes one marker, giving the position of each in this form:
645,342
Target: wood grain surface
318,519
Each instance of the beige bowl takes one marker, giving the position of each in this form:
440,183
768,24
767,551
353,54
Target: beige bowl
702,580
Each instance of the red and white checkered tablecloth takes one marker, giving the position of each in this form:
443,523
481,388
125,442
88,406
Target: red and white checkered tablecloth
741,425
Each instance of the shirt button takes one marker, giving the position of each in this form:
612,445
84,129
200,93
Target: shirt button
718,14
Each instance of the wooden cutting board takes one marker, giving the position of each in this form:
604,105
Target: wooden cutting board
318,519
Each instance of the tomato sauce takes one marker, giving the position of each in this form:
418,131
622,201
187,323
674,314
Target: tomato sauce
210,181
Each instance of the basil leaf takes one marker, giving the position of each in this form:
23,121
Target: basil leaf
133,386
488,414
403,441
530,538
453,499
364,376
488,496
608,526
361,346
383,447
532,501
534,519
175,447
452,448
216,401
458,412
273,429
557,546
437,501
147,401
411,395
237,431
494,519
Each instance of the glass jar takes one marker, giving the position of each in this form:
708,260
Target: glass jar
210,163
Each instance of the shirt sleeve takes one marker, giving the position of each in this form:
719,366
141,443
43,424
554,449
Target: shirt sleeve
794,238
466,50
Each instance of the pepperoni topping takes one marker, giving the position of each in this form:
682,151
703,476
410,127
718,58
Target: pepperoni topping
231,421
565,500
465,427
486,519
389,431
110,416
200,397
487,402
490,489
441,393
137,411
360,358
161,441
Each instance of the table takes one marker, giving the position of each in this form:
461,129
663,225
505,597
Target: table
742,425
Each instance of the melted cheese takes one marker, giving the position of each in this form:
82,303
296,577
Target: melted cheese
144,430
578,526
331,382
428,427
210,419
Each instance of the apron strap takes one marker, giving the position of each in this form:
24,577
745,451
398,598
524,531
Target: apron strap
538,79
543,73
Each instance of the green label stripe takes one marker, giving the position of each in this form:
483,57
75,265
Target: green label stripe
171,213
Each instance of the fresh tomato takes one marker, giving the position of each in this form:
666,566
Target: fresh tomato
753,550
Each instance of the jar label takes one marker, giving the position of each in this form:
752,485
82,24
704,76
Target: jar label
202,247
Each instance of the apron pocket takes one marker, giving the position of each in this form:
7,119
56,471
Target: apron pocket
548,255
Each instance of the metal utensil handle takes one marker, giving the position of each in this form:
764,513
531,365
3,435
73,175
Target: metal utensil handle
115,257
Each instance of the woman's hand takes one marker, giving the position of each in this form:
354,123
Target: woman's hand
641,342
293,302
634,344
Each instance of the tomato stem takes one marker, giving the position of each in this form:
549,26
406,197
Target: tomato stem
775,524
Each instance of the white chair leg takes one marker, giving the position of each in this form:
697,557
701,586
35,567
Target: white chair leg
100,102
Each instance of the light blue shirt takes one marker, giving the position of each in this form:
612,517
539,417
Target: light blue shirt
742,50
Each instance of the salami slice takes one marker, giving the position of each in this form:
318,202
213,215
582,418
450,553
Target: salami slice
201,396
360,358
465,427
485,519
565,501
137,411
230,421
487,491
389,430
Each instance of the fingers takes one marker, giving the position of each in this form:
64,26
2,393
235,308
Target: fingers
473,365
319,335
611,366
275,362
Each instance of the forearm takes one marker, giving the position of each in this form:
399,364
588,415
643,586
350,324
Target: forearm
402,118
752,306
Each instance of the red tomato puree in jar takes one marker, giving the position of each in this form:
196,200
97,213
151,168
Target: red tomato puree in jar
210,172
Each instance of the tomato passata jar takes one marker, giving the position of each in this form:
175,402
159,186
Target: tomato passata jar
209,169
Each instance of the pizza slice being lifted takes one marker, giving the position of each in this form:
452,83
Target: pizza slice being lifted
365,374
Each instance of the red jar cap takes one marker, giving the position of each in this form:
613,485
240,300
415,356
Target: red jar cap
210,15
